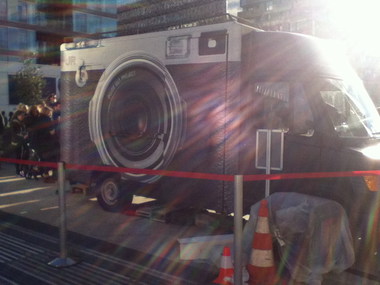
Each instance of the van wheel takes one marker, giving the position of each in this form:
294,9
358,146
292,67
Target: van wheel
112,195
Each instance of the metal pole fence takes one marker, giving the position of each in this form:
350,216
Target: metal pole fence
62,260
238,228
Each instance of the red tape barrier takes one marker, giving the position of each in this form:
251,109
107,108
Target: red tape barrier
197,175
30,162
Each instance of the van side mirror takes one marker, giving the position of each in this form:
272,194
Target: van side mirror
304,128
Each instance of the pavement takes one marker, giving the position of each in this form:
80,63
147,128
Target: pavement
38,201
104,247
33,205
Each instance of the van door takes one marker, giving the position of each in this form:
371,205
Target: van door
285,105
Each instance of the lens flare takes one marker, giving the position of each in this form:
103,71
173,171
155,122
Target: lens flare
356,22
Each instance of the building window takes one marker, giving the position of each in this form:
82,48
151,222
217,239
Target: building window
108,25
3,10
32,13
3,38
50,86
41,19
20,39
80,22
13,39
97,5
23,39
94,24
22,11
13,98
108,6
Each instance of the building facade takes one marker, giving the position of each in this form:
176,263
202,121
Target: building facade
140,16
300,16
35,29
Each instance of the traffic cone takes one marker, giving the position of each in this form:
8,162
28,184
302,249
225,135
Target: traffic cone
226,272
261,266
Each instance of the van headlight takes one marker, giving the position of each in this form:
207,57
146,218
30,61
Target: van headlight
372,152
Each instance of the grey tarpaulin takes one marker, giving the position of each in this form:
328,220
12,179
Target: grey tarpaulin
314,235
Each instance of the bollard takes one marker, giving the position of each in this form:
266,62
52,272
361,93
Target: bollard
238,229
62,260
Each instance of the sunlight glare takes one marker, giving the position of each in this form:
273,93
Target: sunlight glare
357,22
11,179
25,191
19,204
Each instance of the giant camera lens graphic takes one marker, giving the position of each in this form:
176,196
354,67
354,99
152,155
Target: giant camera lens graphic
136,115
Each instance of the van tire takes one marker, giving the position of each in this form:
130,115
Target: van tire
112,194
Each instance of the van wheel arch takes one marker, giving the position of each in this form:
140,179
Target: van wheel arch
112,193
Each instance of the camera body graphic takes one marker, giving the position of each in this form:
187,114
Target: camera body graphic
155,101
200,100
215,99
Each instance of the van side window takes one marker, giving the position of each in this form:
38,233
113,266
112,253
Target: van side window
303,120
274,100
285,107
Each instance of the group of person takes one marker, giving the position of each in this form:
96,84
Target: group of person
34,132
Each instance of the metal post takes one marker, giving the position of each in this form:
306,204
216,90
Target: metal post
268,162
238,229
62,260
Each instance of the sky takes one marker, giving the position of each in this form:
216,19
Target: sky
358,23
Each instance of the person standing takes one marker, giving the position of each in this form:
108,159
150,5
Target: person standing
2,124
5,118
44,140
56,115
51,100
10,116
31,122
19,138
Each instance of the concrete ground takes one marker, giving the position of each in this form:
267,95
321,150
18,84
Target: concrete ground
38,201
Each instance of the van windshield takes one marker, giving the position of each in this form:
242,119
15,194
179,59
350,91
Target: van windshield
349,107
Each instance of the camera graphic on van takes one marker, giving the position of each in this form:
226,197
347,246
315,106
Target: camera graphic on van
136,115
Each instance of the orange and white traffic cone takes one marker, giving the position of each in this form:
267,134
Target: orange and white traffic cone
226,272
261,266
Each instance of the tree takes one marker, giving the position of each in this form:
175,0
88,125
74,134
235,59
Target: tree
29,84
